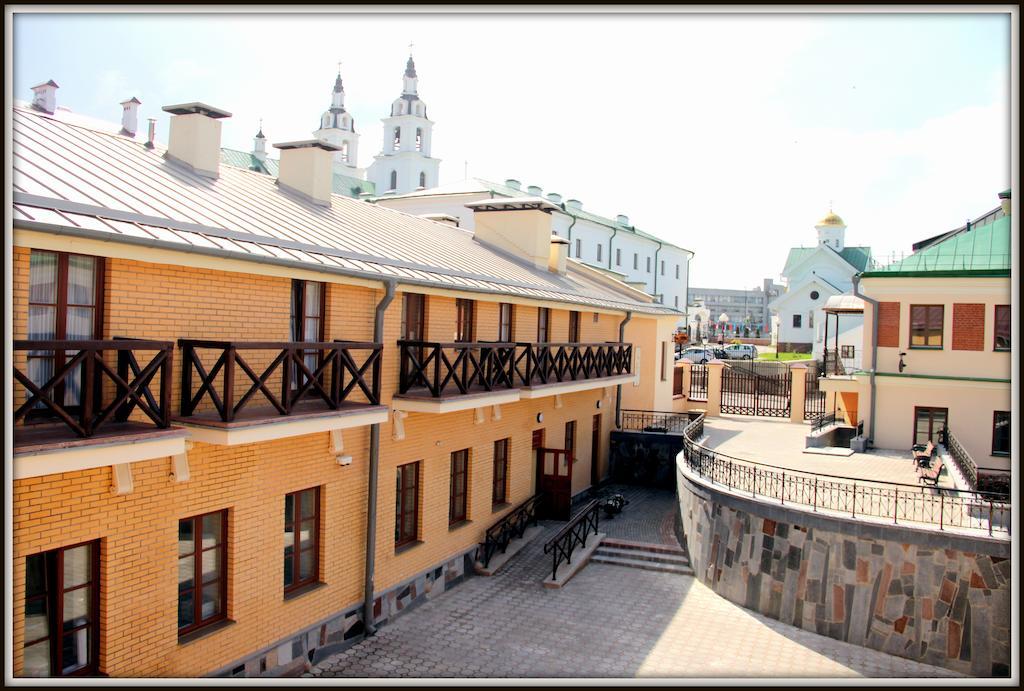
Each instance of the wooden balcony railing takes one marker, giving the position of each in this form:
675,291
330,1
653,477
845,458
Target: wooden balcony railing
85,388
545,363
463,368
325,373
449,368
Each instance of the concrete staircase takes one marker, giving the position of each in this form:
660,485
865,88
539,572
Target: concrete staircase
643,555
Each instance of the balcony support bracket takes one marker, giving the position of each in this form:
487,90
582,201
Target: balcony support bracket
338,448
122,473
478,416
398,428
558,402
496,412
180,471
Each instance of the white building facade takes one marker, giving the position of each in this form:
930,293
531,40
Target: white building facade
812,275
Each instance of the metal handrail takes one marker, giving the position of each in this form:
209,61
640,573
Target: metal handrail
573,535
963,461
823,421
653,421
932,506
512,525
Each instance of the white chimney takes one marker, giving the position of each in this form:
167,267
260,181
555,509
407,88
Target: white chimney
555,197
622,220
534,191
130,116
521,226
194,140
307,169
44,96
574,203
513,183
559,253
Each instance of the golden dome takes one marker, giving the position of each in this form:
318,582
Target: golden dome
830,220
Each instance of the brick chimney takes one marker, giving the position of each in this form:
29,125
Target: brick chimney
194,140
307,169
44,96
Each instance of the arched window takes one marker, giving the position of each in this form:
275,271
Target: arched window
419,139
344,152
396,139
394,180
423,179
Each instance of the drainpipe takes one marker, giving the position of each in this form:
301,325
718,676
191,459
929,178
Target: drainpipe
615,232
574,219
656,270
874,352
371,489
618,389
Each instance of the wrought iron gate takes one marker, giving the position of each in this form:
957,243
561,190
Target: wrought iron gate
814,397
752,389
699,382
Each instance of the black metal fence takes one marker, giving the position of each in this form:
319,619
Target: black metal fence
572,536
513,525
814,397
653,421
699,382
936,507
961,459
754,389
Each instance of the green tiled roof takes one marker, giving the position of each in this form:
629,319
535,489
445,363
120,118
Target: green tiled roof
342,184
857,257
979,251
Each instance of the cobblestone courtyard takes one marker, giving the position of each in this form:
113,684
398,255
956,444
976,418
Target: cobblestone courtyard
609,621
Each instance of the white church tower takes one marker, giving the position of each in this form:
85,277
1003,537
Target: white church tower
337,127
404,163
831,231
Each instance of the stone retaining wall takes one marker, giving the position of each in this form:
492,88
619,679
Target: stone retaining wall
929,596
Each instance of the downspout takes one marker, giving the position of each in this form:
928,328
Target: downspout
570,228
618,389
874,352
656,270
371,487
615,232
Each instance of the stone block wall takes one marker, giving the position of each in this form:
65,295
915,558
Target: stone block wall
925,595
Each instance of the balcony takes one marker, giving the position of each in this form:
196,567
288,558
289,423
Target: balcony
240,392
446,377
90,403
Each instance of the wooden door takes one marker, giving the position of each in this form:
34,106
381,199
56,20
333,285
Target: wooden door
595,450
556,483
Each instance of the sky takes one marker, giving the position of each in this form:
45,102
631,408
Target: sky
729,135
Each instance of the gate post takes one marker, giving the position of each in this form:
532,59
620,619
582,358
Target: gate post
686,366
714,404
797,392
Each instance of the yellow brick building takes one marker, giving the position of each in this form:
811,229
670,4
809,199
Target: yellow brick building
230,391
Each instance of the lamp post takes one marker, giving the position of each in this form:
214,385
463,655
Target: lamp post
723,319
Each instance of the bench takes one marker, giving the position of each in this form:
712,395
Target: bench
923,453
929,475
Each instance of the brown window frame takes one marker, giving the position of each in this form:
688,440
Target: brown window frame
933,433
60,331
420,301
407,501
299,302
499,476
929,328
197,575
995,419
574,327
465,320
543,325
458,502
995,328
53,597
570,437
506,322
846,351
297,519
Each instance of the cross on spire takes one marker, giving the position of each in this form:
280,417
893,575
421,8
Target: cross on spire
410,47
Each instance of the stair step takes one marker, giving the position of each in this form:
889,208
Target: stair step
642,546
641,564
678,559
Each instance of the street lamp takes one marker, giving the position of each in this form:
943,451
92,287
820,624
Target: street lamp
723,319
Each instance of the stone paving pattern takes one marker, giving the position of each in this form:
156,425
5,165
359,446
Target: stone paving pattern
898,591
609,621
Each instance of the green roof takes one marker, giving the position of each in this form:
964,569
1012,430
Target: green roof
857,257
979,251
342,184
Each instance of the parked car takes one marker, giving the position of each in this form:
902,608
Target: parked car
741,351
701,355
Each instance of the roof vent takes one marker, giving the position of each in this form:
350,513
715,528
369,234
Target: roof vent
130,116
44,96
194,140
513,183
151,139
574,203
555,197
622,220
307,169
534,191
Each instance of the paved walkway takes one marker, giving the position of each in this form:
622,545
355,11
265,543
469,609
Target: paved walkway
609,621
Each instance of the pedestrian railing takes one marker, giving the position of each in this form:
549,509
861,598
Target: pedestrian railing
961,459
513,525
653,421
823,421
932,507
574,535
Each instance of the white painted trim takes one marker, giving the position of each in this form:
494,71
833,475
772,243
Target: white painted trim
283,429
574,386
453,405
68,460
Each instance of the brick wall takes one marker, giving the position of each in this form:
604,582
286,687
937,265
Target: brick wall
968,326
889,324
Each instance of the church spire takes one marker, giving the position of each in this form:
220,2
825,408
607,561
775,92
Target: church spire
410,67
